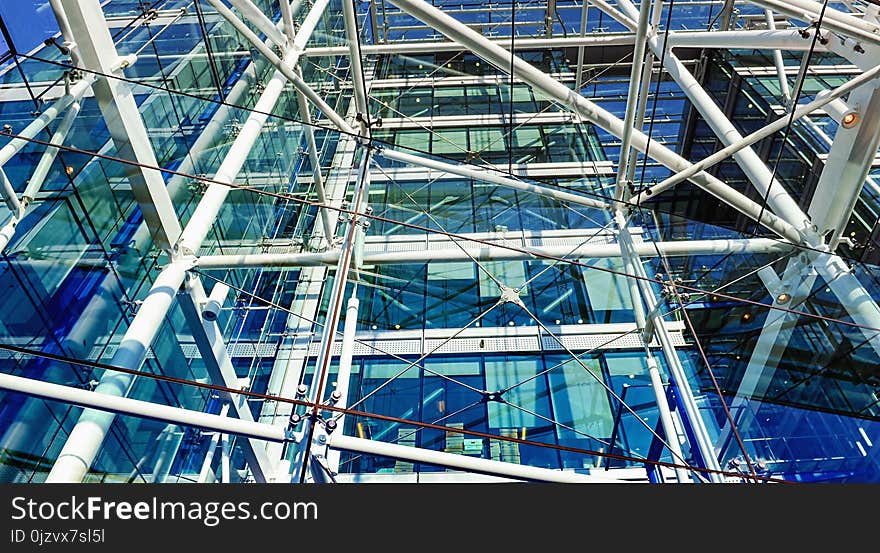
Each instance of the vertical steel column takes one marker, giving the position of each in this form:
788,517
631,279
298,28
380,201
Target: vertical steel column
316,437
315,160
638,295
579,73
692,412
357,71
644,92
343,376
632,99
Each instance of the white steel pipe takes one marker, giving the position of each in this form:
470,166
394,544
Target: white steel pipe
49,155
777,59
49,114
837,21
781,39
461,462
502,59
666,418
84,441
703,442
644,92
317,177
253,14
485,175
419,47
287,20
786,39
9,195
762,133
110,406
632,98
214,302
356,70
852,294
484,252
343,373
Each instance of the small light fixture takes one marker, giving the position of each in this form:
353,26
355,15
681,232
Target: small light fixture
511,323
783,297
850,120
396,327
746,317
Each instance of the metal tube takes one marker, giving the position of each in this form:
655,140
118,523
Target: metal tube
719,156
647,73
287,20
632,99
787,39
782,39
834,20
484,252
331,321
9,195
253,14
847,23
84,441
211,450
113,405
666,417
66,33
691,410
462,462
853,296
343,375
777,60
49,155
485,175
357,70
630,259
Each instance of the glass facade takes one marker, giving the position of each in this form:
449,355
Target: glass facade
489,301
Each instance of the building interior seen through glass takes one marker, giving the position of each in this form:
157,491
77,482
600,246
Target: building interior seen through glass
407,241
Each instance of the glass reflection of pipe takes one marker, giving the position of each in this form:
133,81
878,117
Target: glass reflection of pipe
408,413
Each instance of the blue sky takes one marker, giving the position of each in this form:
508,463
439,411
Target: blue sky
29,23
